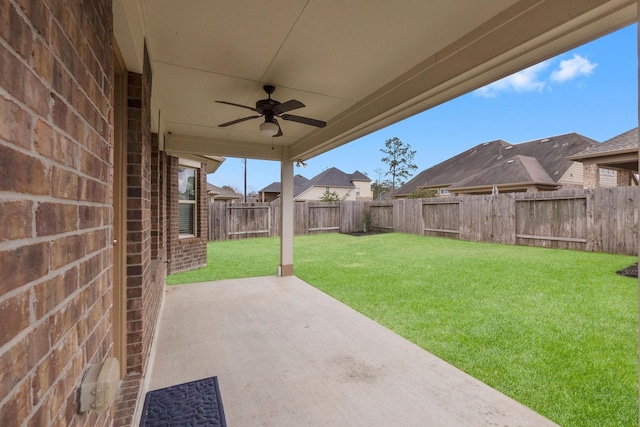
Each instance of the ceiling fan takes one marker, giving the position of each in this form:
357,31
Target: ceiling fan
270,109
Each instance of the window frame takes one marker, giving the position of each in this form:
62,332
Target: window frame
189,165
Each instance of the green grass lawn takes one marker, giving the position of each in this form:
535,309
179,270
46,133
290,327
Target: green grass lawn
556,330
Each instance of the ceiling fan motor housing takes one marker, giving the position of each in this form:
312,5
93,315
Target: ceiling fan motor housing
265,105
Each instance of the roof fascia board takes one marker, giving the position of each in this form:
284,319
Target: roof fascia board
620,155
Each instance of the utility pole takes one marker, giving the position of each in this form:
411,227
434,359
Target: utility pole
245,181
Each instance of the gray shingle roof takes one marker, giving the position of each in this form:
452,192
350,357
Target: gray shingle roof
515,170
274,187
332,177
551,154
359,176
625,142
221,192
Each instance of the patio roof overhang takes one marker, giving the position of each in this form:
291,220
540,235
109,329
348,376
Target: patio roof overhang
622,159
357,65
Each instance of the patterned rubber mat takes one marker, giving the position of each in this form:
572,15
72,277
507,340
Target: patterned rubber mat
197,403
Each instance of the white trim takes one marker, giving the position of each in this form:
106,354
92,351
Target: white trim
189,163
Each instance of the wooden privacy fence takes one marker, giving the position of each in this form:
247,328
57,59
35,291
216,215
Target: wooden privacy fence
599,220
243,220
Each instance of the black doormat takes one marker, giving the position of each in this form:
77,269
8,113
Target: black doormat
197,403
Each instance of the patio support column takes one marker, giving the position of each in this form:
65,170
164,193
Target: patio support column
286,215
591,177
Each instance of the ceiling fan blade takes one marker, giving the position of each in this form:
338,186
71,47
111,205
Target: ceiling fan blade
279,129
287,106
238,105
304,120
233,122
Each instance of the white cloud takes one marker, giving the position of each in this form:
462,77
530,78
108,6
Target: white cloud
534,79
527,80
571,68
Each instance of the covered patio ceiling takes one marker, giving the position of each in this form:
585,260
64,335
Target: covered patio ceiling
359,65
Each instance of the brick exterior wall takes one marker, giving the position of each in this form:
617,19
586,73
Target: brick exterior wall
158,201
144,284
186,253
55,206
138,215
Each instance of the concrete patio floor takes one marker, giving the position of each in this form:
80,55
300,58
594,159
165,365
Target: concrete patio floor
286,354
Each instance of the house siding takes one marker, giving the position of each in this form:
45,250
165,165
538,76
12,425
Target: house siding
365,190
55,207
316,193
573,177
608,178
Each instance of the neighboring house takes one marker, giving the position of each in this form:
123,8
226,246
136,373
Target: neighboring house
355,186
272,191
498,166
618,155
217,194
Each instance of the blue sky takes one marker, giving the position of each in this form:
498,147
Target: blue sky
591,90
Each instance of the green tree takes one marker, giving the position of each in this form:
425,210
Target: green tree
423,193
330,196
380,189
399,159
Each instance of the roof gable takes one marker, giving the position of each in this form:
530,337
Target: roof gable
359,176
332,177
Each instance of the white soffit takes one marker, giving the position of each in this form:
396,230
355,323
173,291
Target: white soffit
359,65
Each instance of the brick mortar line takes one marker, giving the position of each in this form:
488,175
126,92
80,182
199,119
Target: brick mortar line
16,244
12,196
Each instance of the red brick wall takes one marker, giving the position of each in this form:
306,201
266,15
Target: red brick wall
190,252
158,200
55,206
144,280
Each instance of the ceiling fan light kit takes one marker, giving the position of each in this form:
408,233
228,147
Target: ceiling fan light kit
270,109
269,128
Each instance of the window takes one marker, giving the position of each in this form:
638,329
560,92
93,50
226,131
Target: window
187,190
357,191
